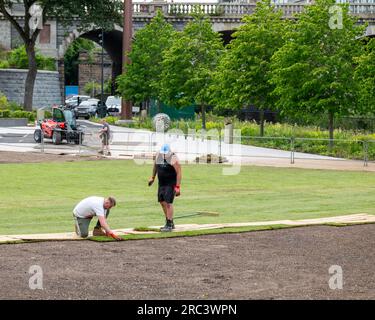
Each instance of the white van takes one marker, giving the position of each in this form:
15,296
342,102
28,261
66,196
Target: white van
113,104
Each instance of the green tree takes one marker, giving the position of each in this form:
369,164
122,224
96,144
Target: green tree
244,71
92,88
189,65
102,13
141,82
365,76
314,71
108,85
71,59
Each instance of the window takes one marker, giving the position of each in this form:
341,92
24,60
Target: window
45,34
58,115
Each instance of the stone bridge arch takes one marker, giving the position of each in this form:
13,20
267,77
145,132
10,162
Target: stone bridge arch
91,33
112,46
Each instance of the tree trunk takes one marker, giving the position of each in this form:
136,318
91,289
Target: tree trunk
261,122
203,107
158,106
30,78
61,69
330,128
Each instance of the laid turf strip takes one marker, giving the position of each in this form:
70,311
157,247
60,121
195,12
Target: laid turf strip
163,235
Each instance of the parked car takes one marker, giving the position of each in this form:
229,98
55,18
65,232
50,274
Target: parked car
75,101
87,109
113,104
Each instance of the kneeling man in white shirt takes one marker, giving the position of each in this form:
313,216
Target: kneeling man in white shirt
90,207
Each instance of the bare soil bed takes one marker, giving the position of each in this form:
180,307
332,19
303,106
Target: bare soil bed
36,157
280,264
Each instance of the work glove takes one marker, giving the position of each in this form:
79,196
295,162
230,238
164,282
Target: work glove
114,236
177,190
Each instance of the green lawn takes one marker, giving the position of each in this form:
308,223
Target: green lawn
39,198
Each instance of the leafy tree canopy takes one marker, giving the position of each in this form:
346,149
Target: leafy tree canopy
141,81
313,71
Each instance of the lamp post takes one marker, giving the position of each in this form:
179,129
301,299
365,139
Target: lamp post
102,75
126,107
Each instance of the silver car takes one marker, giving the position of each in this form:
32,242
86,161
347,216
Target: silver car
75,100
87,109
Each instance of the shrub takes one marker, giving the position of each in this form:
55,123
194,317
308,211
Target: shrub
111,120
47,114
3,102
13,106
214,125
4,64
46,63
23,114
180,125
18,59
4,113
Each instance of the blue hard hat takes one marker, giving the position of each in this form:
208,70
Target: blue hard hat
165,149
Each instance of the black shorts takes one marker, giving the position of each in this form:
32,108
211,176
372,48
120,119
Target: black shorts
166,193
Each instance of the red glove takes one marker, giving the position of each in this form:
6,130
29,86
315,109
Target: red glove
113,235
177,190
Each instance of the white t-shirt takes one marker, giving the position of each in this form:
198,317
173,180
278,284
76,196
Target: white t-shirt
90,207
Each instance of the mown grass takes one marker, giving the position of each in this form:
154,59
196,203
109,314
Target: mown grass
40,197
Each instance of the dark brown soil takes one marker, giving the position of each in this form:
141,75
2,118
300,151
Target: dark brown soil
280,264
32,157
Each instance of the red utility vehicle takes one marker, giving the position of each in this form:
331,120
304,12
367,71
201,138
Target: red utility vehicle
62,126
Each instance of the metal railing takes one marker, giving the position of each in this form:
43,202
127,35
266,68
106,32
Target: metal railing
232,9
143,143
291,148
229,9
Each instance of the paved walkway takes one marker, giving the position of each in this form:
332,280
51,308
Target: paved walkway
347,219
137,141
139,144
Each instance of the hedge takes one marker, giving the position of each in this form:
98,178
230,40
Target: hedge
31,116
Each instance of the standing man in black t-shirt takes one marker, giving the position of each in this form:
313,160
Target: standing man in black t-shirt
168,169
104,134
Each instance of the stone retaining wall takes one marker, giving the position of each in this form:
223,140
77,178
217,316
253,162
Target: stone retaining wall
10,122
46,92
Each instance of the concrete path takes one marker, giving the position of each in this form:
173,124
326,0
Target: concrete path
140,145
347,219
135,142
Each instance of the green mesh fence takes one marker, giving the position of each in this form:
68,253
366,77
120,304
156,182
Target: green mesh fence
185,113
